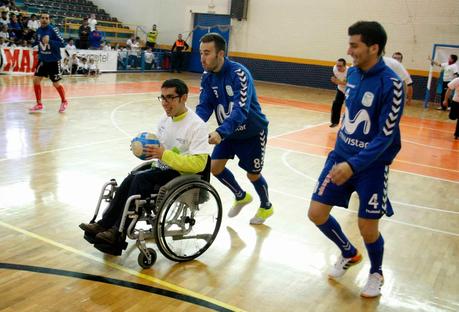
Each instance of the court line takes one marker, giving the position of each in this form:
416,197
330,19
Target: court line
115,282
395,170
126,270
430,146
307,200
397,160
62,149
287,164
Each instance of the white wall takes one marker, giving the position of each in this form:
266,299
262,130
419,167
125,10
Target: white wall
307,29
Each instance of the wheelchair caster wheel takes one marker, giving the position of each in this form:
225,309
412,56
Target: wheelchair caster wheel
143,260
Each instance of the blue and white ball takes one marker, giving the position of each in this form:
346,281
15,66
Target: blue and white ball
139,142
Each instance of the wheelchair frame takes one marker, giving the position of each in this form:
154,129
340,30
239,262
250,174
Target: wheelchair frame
183,197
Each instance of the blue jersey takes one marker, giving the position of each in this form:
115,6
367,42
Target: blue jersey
230,93
52,51
370,130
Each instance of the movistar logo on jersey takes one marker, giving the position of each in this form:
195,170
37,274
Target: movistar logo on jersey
350,125
222,114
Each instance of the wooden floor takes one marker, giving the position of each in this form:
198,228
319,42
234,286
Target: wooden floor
53,165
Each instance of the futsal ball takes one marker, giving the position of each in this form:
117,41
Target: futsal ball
139,142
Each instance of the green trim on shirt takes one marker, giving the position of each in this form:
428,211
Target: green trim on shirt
179,117
185,163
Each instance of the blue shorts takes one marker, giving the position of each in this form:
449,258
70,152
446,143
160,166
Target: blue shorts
250,151
370,184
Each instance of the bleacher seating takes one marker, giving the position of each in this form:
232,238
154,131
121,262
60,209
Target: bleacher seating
68,15
60,9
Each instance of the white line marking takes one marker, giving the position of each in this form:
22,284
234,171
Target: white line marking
434,209
383,219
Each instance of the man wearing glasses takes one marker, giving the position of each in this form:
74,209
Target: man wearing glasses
183,149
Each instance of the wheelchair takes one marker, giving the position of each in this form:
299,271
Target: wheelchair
183,218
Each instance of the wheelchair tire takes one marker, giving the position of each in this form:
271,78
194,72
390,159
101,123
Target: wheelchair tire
143,261
188,221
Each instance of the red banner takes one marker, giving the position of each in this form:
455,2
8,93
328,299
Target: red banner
18,60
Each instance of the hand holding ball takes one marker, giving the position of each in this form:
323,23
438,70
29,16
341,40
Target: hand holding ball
146,146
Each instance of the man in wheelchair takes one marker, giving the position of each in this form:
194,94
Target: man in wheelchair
183,149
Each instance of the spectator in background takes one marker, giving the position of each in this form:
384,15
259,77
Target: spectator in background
16,27
409,85
151,37
400,70
65,66
33,23
83,68
453,85
83,33
450,71
149,59
4,33
4,19
93,69
95,39
177,59
339,79
3,43
105,46
92,22
70,47
75,62
133,47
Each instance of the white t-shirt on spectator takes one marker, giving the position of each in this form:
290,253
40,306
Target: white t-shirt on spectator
4,35
92,22
149,57
454,85
341,76
399,69
449,71
34,25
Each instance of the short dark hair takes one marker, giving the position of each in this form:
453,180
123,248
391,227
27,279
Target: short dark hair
342,60
454,57
371,33
219,41
180,87
399,53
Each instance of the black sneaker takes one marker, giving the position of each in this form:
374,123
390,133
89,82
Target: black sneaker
109,236
92,228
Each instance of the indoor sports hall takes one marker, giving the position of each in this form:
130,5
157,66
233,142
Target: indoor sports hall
53,165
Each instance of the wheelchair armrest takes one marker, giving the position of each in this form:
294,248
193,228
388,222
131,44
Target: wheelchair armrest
143,166
173,184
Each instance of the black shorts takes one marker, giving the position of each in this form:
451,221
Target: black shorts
51,70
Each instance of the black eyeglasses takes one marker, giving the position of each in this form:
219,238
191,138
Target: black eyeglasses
167,98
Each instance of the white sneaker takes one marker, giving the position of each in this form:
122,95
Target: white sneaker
373,286
239,204
343,264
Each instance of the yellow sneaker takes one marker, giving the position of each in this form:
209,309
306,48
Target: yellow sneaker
239,204
262,215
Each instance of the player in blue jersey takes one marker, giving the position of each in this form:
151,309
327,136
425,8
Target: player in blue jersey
227,89
366,145
49,43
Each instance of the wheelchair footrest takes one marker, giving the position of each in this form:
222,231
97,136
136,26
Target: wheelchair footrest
89,238
115,250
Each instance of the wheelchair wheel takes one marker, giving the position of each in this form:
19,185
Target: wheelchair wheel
143,261
188,221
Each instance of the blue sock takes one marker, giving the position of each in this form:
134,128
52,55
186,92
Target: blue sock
262,190
375,253
227,178
332,230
